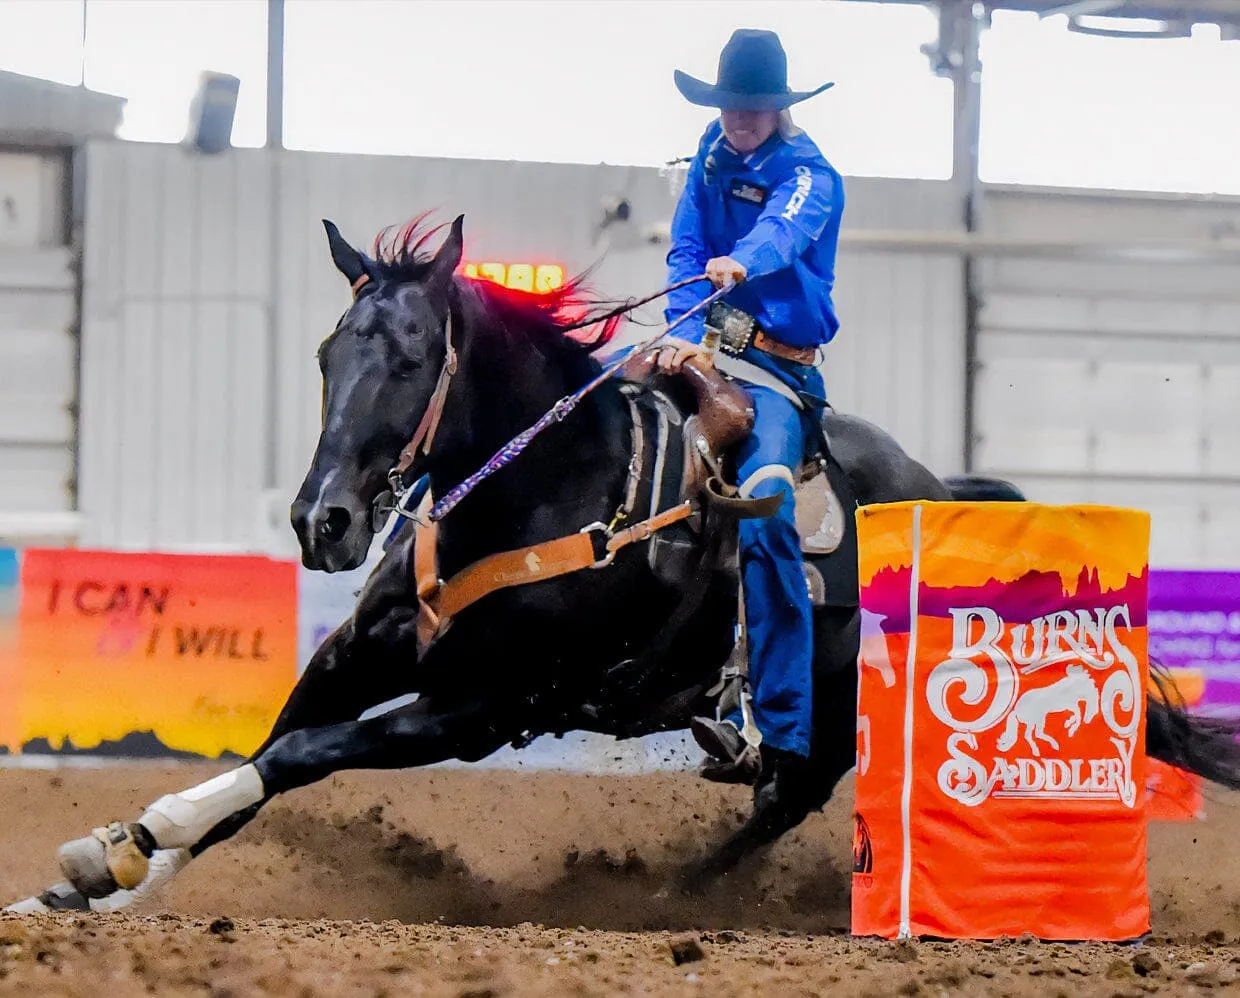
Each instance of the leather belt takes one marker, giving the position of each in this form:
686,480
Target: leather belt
799,355
738,330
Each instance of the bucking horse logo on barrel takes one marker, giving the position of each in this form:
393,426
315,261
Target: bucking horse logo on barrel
1059,696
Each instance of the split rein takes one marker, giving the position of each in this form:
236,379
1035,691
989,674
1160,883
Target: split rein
503,457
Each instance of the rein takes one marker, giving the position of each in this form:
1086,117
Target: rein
439,600
632,304
558,412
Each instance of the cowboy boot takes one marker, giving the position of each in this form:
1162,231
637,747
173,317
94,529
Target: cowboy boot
731,759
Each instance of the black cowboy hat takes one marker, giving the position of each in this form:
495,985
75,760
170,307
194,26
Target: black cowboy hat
753,76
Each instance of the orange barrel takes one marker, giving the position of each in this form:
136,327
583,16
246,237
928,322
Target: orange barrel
1173,794
1001,722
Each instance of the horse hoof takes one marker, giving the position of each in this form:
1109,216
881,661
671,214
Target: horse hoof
84,862
60,897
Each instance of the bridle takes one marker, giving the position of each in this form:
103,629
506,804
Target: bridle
395,499
420,443
391,499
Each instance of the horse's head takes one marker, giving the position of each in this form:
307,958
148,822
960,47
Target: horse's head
381,369
1085,688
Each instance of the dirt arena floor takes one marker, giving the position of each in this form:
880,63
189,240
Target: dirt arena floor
472,884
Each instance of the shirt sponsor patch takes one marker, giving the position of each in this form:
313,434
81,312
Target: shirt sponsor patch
749,192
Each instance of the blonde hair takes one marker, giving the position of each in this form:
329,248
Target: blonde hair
787,127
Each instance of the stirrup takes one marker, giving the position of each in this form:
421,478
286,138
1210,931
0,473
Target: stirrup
745,768
725,764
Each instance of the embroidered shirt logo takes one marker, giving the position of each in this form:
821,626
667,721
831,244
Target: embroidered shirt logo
805,183
749,192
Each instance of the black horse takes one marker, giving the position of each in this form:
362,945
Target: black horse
568,653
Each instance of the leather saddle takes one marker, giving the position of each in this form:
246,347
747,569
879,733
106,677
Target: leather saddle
712,422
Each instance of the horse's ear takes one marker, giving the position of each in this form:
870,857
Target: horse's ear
448,258
348,261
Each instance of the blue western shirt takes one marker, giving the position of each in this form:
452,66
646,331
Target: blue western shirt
776,211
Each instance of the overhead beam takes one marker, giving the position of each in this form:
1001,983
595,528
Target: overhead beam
1185,251
275,74
1200,11
1220,12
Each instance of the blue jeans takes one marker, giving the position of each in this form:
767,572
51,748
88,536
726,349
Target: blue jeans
777,606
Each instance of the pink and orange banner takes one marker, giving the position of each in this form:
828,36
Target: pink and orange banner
1001,783
147,654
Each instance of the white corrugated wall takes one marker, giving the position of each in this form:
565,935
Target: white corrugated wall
207,287
1117,381
38,319
175,346
899,357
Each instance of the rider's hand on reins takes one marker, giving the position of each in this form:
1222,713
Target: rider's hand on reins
673,354
724,270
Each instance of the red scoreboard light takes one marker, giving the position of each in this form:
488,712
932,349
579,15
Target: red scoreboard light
539,278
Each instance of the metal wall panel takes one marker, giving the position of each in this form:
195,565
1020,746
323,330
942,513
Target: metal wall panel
898,359
38,384
176,346
208,287
1115,380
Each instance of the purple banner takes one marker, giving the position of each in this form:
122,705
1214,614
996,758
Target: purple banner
1194,625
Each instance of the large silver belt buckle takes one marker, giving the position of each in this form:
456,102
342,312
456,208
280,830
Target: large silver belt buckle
735,328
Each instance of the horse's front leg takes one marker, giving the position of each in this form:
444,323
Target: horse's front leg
351,671
176,826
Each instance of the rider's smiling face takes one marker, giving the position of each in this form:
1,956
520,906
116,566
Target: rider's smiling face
746,130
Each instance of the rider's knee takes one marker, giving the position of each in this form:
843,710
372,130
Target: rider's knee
776,534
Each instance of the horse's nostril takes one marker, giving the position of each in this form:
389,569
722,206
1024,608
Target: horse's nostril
335,524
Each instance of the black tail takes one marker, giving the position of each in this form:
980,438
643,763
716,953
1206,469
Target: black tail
976,488
1205,746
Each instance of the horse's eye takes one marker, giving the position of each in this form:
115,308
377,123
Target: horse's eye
406,367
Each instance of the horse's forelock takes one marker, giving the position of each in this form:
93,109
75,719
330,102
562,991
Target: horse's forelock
399,246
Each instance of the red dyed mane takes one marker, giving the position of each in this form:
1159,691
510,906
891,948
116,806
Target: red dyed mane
400,251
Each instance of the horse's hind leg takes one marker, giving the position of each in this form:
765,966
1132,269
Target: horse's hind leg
1039,729
799,786
780,803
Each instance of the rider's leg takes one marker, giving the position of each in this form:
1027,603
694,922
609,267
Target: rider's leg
787,794
777,605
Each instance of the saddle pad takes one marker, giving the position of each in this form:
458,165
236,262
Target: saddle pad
820,516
